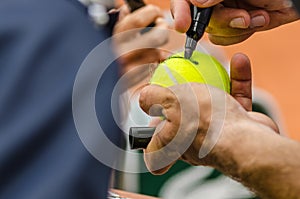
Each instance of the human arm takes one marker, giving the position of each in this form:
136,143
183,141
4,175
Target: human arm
260,159
246,148
235,21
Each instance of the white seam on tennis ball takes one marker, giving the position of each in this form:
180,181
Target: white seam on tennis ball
168,71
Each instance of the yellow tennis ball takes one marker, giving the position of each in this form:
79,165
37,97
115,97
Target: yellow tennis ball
200,68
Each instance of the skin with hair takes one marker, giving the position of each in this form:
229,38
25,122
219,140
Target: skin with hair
247,148
234,21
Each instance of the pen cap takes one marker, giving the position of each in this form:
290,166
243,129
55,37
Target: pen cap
139,137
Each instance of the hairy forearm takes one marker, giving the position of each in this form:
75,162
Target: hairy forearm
260,159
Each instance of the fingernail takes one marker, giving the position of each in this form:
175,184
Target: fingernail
257,21
237,23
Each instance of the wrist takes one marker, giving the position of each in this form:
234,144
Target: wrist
237,146
255,155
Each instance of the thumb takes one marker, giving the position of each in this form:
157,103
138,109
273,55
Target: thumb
154,98
180,10
181,13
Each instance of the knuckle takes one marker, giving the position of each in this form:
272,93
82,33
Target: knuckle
139,22
154,9
160,37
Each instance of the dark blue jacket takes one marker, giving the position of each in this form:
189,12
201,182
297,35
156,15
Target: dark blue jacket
42,45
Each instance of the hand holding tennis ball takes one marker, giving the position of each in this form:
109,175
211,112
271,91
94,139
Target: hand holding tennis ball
200,68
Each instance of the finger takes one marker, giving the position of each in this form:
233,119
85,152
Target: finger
155,95
140,57
265,4
124,11
154,38
134,20
228,21
205,3
260,19
155,122
157,36
141,46
136,73
231,25
239,18
164,54
175,135
147,43
279,18
180,10
158,156
225,41
263,119
241,80
231,35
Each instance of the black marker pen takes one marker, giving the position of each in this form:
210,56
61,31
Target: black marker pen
200,20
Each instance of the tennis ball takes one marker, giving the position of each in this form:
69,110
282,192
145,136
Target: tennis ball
200,68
